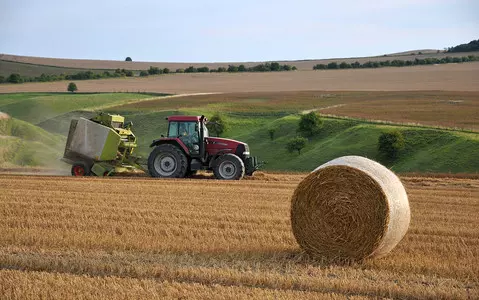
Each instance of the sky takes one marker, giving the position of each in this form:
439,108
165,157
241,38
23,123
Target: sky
232,31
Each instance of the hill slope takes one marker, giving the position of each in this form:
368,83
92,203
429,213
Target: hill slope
305,64
24,144
250,116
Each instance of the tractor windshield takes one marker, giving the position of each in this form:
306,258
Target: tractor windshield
187,132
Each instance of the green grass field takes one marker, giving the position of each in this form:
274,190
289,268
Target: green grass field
427,149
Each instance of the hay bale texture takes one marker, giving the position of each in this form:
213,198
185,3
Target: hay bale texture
349,209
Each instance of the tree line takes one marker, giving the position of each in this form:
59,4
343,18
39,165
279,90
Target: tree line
395,63
85,75
469,47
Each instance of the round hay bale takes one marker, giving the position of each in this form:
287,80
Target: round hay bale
349,209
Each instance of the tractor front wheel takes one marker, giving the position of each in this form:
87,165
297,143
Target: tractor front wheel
80,169
167,161
229,167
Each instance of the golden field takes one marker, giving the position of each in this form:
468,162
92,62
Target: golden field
138,238
448,77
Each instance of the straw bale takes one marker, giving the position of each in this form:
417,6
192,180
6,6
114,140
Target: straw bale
349,209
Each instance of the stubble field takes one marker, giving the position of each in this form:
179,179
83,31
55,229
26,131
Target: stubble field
449,77
137,238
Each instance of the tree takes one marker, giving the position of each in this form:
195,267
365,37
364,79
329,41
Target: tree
15,78
310,124
128,59
271,133
191,69
217,124
296,144
390,144
143,73
241,68
333,65
154,70
275,67
232,68
72,87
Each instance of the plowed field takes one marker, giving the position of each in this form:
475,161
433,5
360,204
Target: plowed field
138,238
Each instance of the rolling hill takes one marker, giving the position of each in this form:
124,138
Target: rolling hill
428,149
305,64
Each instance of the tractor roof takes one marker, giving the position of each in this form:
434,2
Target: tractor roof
184,118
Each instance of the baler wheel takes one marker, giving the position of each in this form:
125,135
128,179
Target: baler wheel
80,169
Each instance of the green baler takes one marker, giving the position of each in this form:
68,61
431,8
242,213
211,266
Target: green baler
101,146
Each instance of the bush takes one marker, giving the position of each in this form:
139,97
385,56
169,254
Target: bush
333,65
241,68
217,124
232,68
191,69
15,78
271,133
143,73
390,144
166,71
154,70
2,79
310,124
128,59
203,69
296,144
72,87
320,67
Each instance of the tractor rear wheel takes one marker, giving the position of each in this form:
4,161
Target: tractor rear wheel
167,161
229,167
80,168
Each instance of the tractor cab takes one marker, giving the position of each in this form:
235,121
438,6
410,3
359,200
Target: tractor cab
191,130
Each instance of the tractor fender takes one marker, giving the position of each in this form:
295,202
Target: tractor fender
174,141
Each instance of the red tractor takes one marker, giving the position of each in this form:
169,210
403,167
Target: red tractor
188,148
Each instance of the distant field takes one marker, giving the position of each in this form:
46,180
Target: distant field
32,70
300,64
434,108
140,238
449,77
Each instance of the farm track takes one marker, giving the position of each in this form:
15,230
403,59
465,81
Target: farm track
137,238
449,77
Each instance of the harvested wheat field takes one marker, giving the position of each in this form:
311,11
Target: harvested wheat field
449,77
138,238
